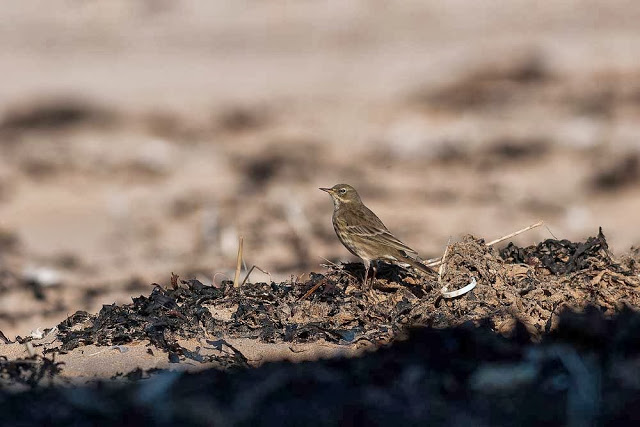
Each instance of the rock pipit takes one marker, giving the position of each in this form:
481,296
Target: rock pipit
362,232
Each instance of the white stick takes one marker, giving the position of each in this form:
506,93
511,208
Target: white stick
508,236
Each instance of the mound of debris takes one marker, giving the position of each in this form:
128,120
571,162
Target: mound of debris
583,373
527,285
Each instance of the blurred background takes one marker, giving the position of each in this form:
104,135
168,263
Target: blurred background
140,138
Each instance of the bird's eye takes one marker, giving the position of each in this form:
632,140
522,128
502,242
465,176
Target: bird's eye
343,191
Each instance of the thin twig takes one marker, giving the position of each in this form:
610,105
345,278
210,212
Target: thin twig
436,262
442,264
313,289
550,232
508,236
341,268
431,260
331,262
249,273
236,278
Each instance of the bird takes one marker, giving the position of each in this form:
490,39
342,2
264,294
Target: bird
365,235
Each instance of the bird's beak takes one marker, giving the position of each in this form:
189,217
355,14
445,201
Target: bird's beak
328,190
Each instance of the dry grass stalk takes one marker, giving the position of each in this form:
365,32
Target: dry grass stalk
442,264
508,236
236,278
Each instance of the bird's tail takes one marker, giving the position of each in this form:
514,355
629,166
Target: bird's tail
417,265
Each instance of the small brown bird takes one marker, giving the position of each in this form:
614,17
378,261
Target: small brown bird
362,232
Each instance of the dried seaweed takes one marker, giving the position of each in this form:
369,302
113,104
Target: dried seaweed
161,318
562,256
29,370
4,339
341,312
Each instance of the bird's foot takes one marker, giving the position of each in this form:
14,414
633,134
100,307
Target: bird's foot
372,295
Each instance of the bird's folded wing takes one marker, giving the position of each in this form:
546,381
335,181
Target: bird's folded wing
382,235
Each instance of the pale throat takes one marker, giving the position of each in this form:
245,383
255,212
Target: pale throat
337,203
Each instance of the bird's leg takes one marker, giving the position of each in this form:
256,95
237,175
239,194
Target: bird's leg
366,274
370,291
374,265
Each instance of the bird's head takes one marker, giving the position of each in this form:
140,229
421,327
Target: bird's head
342,193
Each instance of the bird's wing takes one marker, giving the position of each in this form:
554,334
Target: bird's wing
381,235
367,225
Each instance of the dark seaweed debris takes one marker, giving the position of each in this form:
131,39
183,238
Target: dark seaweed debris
561,256
467,375
161,318
4,339
138,374
29,370
271,312
339,311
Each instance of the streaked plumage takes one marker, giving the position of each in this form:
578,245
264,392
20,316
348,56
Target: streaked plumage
365,235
